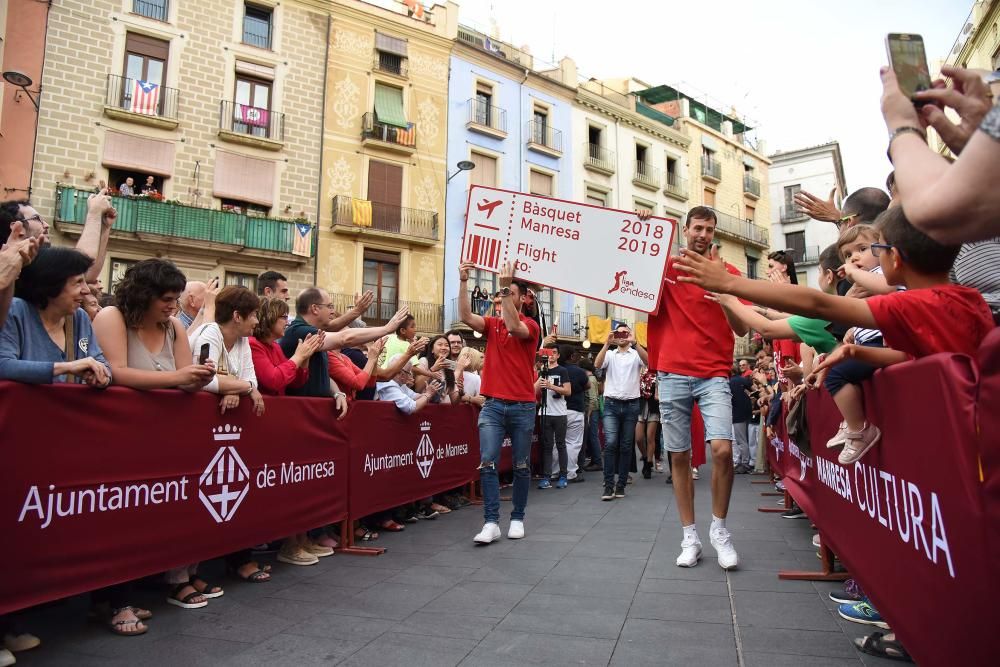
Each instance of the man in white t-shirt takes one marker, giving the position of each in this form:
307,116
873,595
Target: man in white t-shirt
622,368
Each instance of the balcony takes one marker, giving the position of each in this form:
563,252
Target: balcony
391,63
598,159
741,230
645,175
429,316
751,186
676,186
743,347
792,214
544,139
808,255
711,169
158,10
154,221
244,124
568,323
127,99
486,119
358,216
389,137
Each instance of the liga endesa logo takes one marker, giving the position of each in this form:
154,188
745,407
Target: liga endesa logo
226,480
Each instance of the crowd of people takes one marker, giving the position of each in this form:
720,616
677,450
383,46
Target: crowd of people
915,271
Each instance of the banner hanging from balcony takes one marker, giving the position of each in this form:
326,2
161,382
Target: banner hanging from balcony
254,116
145,98
302,245
599,253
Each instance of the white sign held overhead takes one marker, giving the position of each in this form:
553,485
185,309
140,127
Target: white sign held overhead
599,253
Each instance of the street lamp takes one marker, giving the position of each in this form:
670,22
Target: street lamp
463,165
22,81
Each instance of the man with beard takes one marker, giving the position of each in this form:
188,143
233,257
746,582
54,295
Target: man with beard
691,346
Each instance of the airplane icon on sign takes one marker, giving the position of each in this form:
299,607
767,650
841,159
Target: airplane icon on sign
489,206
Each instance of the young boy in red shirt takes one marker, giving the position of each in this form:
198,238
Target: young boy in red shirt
931,316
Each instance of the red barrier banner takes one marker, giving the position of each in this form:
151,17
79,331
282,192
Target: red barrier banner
910,519
396,458
104,487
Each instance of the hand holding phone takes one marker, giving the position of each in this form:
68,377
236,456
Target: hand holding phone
203,354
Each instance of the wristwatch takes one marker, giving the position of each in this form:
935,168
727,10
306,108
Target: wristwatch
505,291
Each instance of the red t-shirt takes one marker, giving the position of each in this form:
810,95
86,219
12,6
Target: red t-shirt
785,347
946,318
690,334
509,364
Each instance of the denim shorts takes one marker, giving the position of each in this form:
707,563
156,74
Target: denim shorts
678,394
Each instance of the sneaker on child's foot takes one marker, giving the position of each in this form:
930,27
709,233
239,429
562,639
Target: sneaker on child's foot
489,533
858,443
840,437
609,492
690,552
722,542
862,612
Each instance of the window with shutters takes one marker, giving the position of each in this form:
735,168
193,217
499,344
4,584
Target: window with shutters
597,197
751,213
485,172
257,25
391,54
796,241
484,104
381,278
118,269
385,191
708,198
248,280
540,183
145,59
752,267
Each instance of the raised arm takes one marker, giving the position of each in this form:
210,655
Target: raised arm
599,361
511,316
361,305
711,274
93,240
753,320
358,337
475,322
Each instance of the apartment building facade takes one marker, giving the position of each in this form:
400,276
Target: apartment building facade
817,170
218,103
513,121
383,169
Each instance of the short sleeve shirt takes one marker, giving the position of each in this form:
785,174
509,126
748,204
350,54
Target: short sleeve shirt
509,363
814,333
555,404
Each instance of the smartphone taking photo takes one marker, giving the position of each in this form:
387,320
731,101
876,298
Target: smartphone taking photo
203,354
909,61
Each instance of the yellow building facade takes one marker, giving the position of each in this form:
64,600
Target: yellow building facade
383,173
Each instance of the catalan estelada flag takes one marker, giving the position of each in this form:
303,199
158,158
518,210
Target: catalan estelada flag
145,98
302,245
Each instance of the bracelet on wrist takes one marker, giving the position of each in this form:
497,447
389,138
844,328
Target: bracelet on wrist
905,129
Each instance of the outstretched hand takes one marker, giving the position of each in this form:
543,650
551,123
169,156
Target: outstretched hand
818,209
707,272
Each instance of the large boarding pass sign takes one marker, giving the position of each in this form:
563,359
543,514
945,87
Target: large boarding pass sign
599,253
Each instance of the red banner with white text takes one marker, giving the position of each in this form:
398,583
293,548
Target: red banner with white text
103,487
911,519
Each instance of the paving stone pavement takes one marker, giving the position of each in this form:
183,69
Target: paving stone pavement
592,583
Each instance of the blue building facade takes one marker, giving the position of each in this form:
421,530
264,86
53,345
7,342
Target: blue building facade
515,126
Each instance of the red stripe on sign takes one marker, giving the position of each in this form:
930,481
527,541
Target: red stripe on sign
495,253
473,255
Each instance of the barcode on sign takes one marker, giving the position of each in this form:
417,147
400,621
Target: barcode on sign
484,251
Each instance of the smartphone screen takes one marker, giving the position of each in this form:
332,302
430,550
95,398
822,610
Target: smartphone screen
908,60
203,354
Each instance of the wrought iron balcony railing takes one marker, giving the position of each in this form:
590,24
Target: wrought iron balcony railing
358,213
138,97
245,119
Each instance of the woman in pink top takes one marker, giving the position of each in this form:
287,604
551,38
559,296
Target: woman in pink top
275,373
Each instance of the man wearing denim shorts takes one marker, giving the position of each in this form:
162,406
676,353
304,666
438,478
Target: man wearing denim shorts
509,386
691,346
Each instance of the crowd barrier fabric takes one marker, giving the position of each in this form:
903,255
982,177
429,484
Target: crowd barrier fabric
101,487
912,519
396,459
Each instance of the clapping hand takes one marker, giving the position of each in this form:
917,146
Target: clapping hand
417,346
375,347
433,387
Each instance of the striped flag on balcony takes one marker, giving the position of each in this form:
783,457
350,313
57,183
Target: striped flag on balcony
303,239
145,98
407,137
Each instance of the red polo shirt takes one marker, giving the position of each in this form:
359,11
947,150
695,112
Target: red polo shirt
509,363
690,334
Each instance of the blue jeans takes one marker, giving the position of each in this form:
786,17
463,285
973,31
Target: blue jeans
497,419
594,437
620,418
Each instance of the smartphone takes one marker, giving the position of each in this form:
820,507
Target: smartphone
620,335
449,377
909,62
203,354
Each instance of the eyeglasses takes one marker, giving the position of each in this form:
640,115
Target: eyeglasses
877,248
31,217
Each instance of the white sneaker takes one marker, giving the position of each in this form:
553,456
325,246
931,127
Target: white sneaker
694,473
489,533
6,658
722,542
516,530
690,553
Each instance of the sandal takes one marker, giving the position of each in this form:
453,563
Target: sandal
118,627
258,576
103,611
207,590
439,508
392,526
876,644
186,601
365,535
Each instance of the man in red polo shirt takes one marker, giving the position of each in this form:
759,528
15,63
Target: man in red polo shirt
509,386
691,348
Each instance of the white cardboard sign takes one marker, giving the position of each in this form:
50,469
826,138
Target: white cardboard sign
599,253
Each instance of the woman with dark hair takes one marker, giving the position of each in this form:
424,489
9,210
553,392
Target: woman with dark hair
781,267
435,363
276,372
47,336
148,348
476,297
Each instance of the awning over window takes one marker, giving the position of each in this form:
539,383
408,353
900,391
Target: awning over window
244,179
390,44
389,106
709,142
149,156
